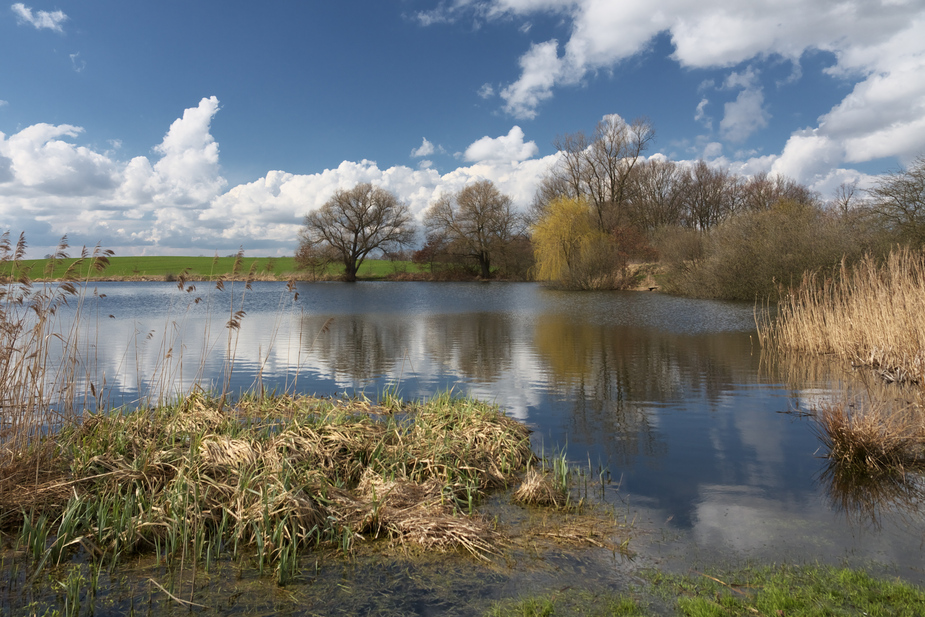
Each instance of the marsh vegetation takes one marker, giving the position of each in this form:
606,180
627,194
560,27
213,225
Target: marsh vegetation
868,316
640,387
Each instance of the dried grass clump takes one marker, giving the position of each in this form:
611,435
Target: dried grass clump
872,438
278,477
412,514
218,452
443,529
463,435
538,489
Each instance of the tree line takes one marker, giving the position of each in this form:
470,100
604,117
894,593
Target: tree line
604,207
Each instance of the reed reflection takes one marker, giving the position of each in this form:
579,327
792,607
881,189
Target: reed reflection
866,497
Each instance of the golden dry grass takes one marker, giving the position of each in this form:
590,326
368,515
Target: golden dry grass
871,314
872,437
274,474
538,489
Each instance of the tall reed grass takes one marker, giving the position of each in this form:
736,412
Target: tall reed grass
42,368
872,316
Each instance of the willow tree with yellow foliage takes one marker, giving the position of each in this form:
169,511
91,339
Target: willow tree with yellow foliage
570,249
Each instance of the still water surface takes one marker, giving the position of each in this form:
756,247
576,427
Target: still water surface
670,394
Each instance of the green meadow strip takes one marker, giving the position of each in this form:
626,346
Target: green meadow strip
170,268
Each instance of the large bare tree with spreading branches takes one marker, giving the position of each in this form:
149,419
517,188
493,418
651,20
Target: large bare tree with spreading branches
598,168
477,222
355,222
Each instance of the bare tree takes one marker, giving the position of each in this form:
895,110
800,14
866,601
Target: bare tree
356,222
845,197
599,168
899,198
657,195
762,191
710,195
477,222
315,259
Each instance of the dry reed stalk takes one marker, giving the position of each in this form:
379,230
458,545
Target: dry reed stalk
871,314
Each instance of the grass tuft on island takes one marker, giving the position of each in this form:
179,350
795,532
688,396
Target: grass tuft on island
266,477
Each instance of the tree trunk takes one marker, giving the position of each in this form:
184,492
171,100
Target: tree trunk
485,262
350,272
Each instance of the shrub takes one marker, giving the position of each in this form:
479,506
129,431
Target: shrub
572,253
756,255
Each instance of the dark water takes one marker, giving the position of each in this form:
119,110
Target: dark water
670,395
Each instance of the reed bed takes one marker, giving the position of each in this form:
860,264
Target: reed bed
37,392
871,314
872,317
266,477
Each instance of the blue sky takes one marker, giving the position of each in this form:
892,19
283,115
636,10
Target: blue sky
195,127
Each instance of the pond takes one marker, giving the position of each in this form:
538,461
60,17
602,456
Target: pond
672,397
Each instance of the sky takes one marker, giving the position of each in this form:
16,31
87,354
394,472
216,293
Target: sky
195,128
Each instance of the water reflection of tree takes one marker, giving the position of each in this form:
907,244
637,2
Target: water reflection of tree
477,346
617,374
358,346
474,345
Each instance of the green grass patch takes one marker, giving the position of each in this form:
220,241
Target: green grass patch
168,267
570,602
770,591
791,591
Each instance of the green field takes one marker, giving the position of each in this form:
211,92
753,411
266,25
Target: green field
168,268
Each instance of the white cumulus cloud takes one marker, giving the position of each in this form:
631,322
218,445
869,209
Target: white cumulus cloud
178,202
541,67
510,147
876,46
40,19
747,113
426,149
